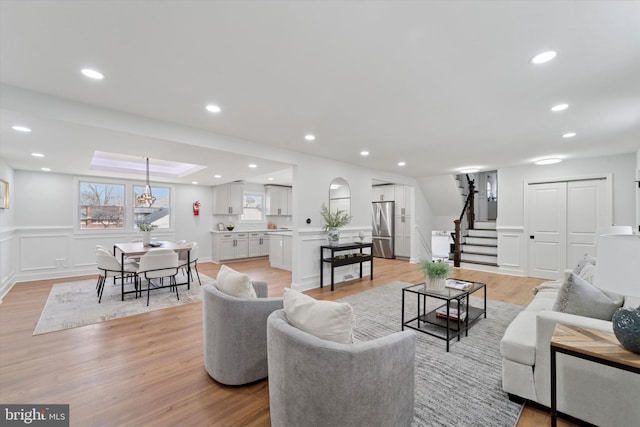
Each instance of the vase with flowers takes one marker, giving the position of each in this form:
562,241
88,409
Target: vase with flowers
436,274
333,222
146,229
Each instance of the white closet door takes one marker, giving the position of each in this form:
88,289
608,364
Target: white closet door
547,230
586,212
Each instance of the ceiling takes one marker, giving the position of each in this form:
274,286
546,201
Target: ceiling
438,85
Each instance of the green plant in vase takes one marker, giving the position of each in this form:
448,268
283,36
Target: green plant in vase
146,229
436,272
333,222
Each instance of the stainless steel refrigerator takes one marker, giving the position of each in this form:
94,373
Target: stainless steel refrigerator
383,216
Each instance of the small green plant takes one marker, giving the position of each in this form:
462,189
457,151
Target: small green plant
435,270
334,220
143,226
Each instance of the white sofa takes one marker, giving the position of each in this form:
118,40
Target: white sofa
594,393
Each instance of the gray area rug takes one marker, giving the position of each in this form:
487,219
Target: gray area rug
75,304
459,388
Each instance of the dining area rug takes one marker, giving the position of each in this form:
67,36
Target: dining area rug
75,304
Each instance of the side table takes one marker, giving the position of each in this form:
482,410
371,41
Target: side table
588,344
339,261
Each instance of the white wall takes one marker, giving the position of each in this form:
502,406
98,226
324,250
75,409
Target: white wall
7,233
511,221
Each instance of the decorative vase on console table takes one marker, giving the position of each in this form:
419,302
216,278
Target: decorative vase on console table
333,222
618,270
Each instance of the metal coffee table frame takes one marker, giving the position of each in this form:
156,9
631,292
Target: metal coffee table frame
443,328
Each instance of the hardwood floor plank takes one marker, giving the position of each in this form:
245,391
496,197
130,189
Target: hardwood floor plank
148,369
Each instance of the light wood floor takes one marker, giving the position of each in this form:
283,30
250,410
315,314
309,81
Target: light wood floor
148,369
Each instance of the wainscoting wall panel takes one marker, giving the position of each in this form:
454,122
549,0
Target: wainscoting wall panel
511,249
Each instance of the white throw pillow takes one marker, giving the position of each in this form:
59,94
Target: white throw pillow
234,283
328,320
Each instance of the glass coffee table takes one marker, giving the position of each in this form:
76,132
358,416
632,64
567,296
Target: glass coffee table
448,320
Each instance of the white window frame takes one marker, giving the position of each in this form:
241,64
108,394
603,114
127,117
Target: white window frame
262,212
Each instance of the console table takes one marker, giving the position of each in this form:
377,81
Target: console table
589,344
348,259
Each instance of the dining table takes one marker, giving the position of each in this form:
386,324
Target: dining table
138,249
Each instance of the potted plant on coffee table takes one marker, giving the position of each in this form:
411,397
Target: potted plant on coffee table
436,273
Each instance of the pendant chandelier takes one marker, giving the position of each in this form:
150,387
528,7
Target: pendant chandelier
147,196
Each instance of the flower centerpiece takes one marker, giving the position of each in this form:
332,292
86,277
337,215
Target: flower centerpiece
146,229
333,222
436,274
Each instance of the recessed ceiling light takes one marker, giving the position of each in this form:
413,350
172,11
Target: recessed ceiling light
543,57
310,137
21,128
469,170
213,108
194,182
364,153
217,176
45,169
253,165
37,154
270,178
569,135
560,107
402,163
549,161
92,74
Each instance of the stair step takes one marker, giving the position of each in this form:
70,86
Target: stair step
479,249
482,241
484,225
479,258
474,232
492,264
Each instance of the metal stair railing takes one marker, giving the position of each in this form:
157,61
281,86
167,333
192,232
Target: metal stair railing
469,209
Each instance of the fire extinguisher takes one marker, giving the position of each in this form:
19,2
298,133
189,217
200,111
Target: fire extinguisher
196,208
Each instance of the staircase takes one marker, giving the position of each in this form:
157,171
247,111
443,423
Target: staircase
480,244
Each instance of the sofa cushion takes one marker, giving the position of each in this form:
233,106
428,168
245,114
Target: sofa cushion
234,283
327,320
579,297
519,341
543,300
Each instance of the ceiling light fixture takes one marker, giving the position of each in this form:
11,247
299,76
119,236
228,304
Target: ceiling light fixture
543,57
559,107
45,169
194,182
310,137
92,74
213,108
402,163
217,176
549,161
469,170
364,153
253,165
147,196
270,178
569,135
21,128
37,154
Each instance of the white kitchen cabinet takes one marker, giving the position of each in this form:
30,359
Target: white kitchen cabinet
403,199
383,193
278,200
280,254
258,244
227,246
402,236
227,199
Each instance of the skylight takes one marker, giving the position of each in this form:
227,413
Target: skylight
136,164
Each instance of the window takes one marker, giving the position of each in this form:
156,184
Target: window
159,214
101,206
252,206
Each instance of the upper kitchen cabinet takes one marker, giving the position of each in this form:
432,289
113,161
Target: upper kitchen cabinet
227,199
383,193
403,199
278,200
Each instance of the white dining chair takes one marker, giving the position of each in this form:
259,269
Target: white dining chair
110,266
158,264
192,258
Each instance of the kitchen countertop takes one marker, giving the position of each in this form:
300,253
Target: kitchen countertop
262,230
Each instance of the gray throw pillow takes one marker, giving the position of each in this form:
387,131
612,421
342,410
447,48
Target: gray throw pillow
586,259
579,297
